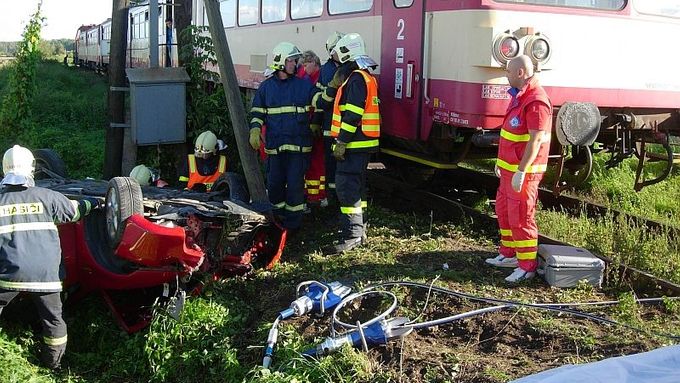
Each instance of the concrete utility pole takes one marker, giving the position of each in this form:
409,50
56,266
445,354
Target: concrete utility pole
153,33
113,151
237,111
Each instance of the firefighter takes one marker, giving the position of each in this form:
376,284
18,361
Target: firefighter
282,102
328,70
146,176
30,252
522,159
206,165
355,127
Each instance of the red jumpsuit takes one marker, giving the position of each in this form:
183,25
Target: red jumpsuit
315,178
529,109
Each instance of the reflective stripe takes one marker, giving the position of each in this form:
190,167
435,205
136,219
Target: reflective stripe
289,148
76,206
27,226
514,167
313,182
312,191
279,205
257,121
30,286
514,137
331,186
322,178
353,108
326,133
287,109
55,341
322,187
192,164
362,144
348,127
523,243
257,110
315,98
350,210
222,167
526,256
299,207
364,204
183,179
506,232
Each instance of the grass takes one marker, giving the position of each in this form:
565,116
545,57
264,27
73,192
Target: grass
221,334
69,116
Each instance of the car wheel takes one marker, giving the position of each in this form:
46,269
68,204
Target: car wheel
48,164
123,199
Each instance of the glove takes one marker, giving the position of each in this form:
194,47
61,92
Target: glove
254,138
497,171
316,130
518,181
95,203
339,150
337,80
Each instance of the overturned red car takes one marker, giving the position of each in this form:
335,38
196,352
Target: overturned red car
152,242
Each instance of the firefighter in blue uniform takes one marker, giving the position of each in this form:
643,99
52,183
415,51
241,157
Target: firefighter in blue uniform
355,127
282,102
30,252
327,72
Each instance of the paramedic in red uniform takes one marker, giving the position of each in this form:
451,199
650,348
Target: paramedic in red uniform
522,158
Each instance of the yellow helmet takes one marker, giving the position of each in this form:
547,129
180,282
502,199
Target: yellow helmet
206,144
332,40
142,175
18,165
281,52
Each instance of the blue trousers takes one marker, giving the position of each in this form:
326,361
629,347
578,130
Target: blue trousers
330,163
350,183
286,186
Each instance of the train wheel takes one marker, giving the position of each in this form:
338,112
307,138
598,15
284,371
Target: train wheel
48,164
123,199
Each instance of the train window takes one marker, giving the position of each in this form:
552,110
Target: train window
403,3
228,11
659,8
248,11
302,9
273,10
610,5
348,6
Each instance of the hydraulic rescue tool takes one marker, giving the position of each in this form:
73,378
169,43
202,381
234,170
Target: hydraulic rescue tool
317,298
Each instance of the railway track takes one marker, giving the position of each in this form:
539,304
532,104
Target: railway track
399,195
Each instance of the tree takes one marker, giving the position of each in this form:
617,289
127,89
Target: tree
15,115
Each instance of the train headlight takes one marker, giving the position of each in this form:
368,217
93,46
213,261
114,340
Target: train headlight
538,48
505,47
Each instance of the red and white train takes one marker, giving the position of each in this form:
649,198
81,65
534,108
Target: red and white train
607,65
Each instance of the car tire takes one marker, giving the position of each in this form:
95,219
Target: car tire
123,199
48,164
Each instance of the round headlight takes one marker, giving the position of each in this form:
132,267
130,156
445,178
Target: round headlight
505,48
509,47
540,49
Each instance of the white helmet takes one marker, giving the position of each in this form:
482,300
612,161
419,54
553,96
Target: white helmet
281,52
332,41
18,165
142,175
351,47
206,144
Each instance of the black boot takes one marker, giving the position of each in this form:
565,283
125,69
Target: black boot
344,245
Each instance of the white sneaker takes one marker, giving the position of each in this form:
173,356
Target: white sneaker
502,261
519,275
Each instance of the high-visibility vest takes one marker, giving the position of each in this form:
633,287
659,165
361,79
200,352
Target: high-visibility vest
515,133
197,178
370,115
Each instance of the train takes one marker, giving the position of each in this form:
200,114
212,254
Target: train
607,66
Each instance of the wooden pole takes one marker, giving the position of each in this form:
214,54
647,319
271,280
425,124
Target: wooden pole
237,112
113,151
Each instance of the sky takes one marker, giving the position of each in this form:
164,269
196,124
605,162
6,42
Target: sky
63,17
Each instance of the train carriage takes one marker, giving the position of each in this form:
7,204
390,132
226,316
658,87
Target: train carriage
442,81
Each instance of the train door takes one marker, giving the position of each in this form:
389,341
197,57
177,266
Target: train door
401,67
